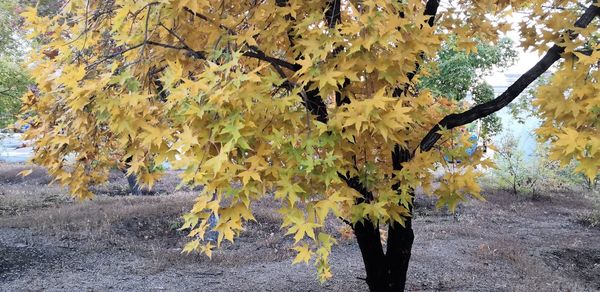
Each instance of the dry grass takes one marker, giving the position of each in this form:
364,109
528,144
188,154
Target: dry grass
146,225
16,200
112,219
591,219
29,203
18,195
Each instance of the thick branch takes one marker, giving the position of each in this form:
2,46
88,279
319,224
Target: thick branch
490,107
400,154
258,54
316,105
332,13
431,9
355,184
314,102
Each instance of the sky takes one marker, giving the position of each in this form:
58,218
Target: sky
525,60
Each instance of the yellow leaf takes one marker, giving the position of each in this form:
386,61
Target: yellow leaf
191,246
304,254
26,172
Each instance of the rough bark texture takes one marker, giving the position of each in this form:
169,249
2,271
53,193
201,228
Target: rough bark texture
399,247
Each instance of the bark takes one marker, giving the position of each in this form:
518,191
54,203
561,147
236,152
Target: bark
132,180
400,238
134,187
399,247
369,242
385,272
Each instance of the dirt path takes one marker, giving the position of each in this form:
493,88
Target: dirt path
123,243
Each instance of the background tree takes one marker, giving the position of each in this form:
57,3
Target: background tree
13,84
314,100
490,125
456,72
14,79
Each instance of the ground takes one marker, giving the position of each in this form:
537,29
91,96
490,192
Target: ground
507,243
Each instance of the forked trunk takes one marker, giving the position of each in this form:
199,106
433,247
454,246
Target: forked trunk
385,271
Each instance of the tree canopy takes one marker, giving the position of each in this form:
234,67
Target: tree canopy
313,104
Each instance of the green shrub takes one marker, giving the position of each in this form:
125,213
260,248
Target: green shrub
536,174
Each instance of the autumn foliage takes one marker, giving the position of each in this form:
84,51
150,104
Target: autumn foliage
313,104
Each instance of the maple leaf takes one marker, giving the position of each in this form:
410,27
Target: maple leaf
155,135
249,174
568,141
331,78
304,254
302,229
590,167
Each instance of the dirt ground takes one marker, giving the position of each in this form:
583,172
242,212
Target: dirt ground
118,242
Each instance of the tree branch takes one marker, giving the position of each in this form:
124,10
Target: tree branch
332,13
355,184
400,154
288,17
431,9
258,54
205,18
314,101
490,107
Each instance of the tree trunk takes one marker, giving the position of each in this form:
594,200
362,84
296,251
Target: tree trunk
399,247
134,187
385,272
369,242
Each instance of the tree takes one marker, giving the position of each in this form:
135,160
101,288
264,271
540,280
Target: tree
490,125
458,72
313,100
512,168
14,79
13,84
